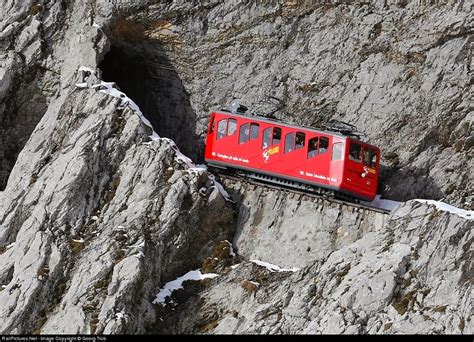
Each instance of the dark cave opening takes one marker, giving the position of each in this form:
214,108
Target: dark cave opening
143,71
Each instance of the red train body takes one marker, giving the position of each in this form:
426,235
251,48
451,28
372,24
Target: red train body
324,159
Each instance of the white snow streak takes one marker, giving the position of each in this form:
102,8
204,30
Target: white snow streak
121,315
87,69
231,252
274,268
177,284
467,214
125,101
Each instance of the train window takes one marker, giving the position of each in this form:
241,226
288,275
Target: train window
221,129
299,142
355,152
244,133
276,136
290,142
294,141
254,131
232,127
336,151
370,157
267,136
313,148
323,145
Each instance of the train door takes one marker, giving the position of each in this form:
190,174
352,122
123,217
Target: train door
270,150
249,143
336,168
370,166
318,159
294,153
361,169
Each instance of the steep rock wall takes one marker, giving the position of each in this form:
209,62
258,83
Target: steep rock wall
95,217
413,276
399,70
292,230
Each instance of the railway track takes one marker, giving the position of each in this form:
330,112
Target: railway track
308,193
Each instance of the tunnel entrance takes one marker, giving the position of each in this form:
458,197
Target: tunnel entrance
142,70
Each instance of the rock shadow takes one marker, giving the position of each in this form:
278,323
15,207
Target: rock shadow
142,70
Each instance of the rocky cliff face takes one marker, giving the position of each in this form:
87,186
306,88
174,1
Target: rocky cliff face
412,275
97,212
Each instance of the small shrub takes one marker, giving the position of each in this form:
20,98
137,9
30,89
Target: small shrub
401,304
35,9
249,286
33,179
440,309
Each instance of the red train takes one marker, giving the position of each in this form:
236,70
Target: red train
323,161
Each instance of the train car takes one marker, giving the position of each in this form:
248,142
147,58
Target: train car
293,155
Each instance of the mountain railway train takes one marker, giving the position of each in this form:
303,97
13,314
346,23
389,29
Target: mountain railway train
330,162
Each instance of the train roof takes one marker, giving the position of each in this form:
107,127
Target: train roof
282,123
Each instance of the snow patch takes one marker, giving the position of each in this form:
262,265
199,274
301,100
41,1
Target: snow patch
234,266
382,203
231,252
120,315
82,85
180,156
177,284
197,170
273,268
86,69
140,250
10,245
467,214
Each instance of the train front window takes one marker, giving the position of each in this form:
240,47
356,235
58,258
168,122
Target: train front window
276,136
290,142
221,129
313,147
232,127
323,145
254,131
244,133
336,151
370,157
355,152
